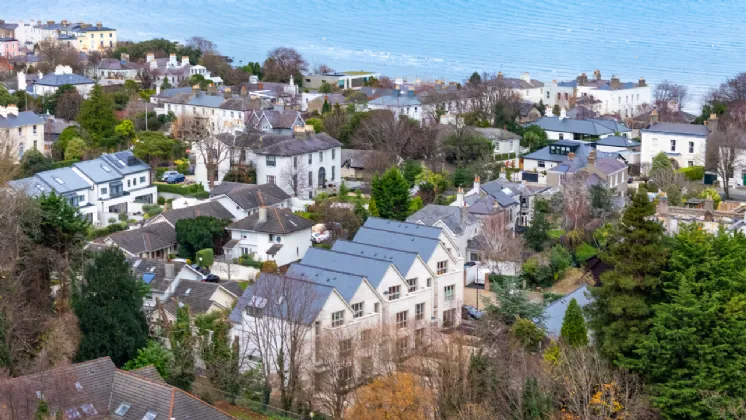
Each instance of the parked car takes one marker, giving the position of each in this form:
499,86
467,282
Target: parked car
176,179
319,237
470,264
470,312
168,174
212,278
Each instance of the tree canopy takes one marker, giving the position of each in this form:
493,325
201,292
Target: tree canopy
573,326
199,233
97,118
34,162
391,194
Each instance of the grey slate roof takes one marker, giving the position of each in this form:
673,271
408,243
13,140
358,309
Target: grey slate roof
403,227
145,239
580,148
154,266
194,293
251,196
98,170
403,241
125,162
95,389
395,101
114,64
32,186
678,128
316,293
291,146
63,180
209,208
402,260
150,373
373,269
591,127
484,205
64,79
23,118
456,218
278,221
357,159
232,286
282,119
225,187
497,134
345,283
554,314
617,141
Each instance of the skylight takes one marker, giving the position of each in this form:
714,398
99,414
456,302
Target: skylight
189,290
122,409
78,386
150,415
136,264
59,180
106,168
72,413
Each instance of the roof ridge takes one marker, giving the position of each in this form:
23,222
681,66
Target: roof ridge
171,405
279,220
402,233
378,246
356,255
330,269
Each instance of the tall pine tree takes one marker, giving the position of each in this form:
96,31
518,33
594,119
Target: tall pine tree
97,118
391,194
622,308
109,308
573,326
696,345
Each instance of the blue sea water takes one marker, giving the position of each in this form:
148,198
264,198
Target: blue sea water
698,43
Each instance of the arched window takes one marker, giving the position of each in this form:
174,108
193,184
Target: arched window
322,177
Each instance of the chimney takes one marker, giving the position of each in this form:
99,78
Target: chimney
227,94
169,269
614,82
99,25
172,60
459,197
64,22
149,57
642,82
654,116
548,111
262,214
477,183
125,58
299,132
244,91
21,80
709,204
570,156
579,79
184,60
195,90
563,113
592,158
712,123
157,89
499,75
212,90
526,77
662,208
50,22
597,74
12,109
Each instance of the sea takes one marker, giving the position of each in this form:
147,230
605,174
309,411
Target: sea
697,43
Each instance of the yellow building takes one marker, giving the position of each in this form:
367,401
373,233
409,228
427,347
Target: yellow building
95,38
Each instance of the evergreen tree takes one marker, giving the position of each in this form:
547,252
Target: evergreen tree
61,227
34,162
573,326
199,233
536,404
622,308
97,118
696,345
661,162
475,79
153,355
373,208
391,193
537,233
109,308
325,107
182,346
42,412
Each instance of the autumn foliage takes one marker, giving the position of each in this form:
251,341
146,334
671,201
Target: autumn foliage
397,397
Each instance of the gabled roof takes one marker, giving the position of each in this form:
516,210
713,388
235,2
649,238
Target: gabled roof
346,284
63,180
401,241
277,221
455,218
291,146
371,268
251,196
98,170
145,239
679,128
97,389
282,119
395,101
32,186
554,314
209,208
397,226
22,119
402,260
497,134
358,159
590,127
155,268
194,293
580,148
64,79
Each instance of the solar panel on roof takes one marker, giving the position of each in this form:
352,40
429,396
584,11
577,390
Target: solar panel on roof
148,277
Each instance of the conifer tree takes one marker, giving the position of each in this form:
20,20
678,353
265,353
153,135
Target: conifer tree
42,412
391,193
573,326
622,308
97,118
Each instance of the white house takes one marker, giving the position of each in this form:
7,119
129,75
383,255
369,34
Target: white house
563,128
627,148
176,71
271,234
117,69
223,111
528,89
66,183
685,143
63,75
504,142
609,96
23,130
458,222
550,156
400,103
280,122
243,200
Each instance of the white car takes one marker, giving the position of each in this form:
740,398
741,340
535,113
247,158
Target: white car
319,237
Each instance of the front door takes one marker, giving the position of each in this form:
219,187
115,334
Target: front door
322,177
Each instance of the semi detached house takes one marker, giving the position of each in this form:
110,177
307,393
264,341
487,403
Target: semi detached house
393,275
101,189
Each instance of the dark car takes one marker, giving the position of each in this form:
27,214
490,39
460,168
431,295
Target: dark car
175,179
470,312
212,278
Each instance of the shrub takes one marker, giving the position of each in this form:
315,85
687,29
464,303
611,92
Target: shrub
64,163
205,257
551,297
527,333
247,261
98,233
159,173
192,190
693,173
152,209
161,201
713,194
122,217
269,267
560,260
584,251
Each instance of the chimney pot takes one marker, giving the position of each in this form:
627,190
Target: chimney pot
262,214
227,94
571,156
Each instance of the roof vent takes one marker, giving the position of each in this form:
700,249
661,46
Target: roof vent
106,168
189,290
136,264
59,180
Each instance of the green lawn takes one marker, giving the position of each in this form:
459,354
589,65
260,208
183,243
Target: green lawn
556,233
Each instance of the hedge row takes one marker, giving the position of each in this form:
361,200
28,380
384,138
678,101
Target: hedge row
64,163
193,190
693,173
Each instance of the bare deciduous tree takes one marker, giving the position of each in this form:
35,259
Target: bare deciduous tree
68,105
283,62
323,69
730,147
145,75
384,132
577,206
55,54
202,44
499,242
667,92
295,176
